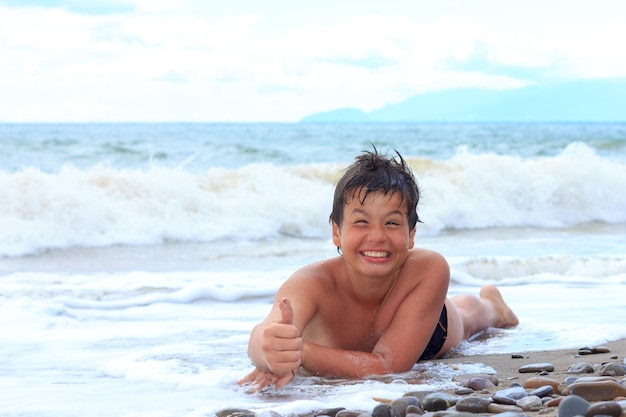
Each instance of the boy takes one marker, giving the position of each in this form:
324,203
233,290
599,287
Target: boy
378,307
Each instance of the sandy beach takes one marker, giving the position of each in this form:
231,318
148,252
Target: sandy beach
507,367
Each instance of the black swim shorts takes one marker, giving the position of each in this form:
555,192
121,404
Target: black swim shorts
438,338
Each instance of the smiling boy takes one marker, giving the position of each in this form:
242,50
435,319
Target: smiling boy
378,307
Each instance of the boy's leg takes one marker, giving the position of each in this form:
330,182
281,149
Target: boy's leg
471,314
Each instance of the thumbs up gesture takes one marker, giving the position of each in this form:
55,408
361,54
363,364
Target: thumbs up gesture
282,347
282,343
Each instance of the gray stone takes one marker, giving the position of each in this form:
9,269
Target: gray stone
381,410
509,395
573,405
604,408
536,367
580,368
611,369
399,405
541,392
530,403
474,404
480,383
235,412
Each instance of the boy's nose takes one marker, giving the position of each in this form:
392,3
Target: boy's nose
377,234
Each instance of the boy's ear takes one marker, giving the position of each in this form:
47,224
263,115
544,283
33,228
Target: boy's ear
412,237
336,234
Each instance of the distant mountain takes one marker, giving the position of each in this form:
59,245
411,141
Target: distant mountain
593,100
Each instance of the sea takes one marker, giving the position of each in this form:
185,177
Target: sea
135,258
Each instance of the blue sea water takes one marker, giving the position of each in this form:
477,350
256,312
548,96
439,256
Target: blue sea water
135,258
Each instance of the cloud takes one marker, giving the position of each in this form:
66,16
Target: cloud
76,6
158,60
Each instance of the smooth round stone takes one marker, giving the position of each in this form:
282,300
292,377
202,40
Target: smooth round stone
509,395
398,406
479,384
436,401
530,403
554,402
464,391
601,349
381,410
331,412
348,413
604,408
541,392
464,379
611,369
540,381
474,404
580,368
413,409
503,408
536,367
601,390
235,412
573,405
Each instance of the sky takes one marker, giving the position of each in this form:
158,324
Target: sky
281,60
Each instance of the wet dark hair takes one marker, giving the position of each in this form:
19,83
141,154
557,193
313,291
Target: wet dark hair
374,172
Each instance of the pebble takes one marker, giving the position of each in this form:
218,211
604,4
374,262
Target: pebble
438,401
381,410
474,404
464,391
536,367
235,412
530,403
479,384
541,381
611,369
573,405
599,390
503,408
331,412
604,408
580,368
594,350
542,392
464,379
349,413
509,395
398,406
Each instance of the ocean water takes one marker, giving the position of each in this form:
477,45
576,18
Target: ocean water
136,258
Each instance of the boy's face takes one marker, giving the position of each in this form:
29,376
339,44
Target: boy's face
374,236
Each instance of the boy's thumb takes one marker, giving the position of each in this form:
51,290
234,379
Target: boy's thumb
286,312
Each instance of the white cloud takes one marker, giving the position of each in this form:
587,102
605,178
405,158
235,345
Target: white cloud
165,62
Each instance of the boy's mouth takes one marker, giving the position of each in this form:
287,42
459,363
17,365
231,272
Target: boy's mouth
376,254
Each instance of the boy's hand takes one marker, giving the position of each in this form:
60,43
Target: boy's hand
283,351
282,344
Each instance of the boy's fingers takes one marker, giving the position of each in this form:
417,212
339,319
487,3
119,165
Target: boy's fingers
286,312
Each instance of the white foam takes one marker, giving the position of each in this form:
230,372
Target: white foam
102,206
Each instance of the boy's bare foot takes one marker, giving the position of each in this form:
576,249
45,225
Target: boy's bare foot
505,315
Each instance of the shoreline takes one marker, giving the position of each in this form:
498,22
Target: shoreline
507,367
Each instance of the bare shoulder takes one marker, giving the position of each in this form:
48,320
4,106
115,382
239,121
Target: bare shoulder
310,281
426,259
